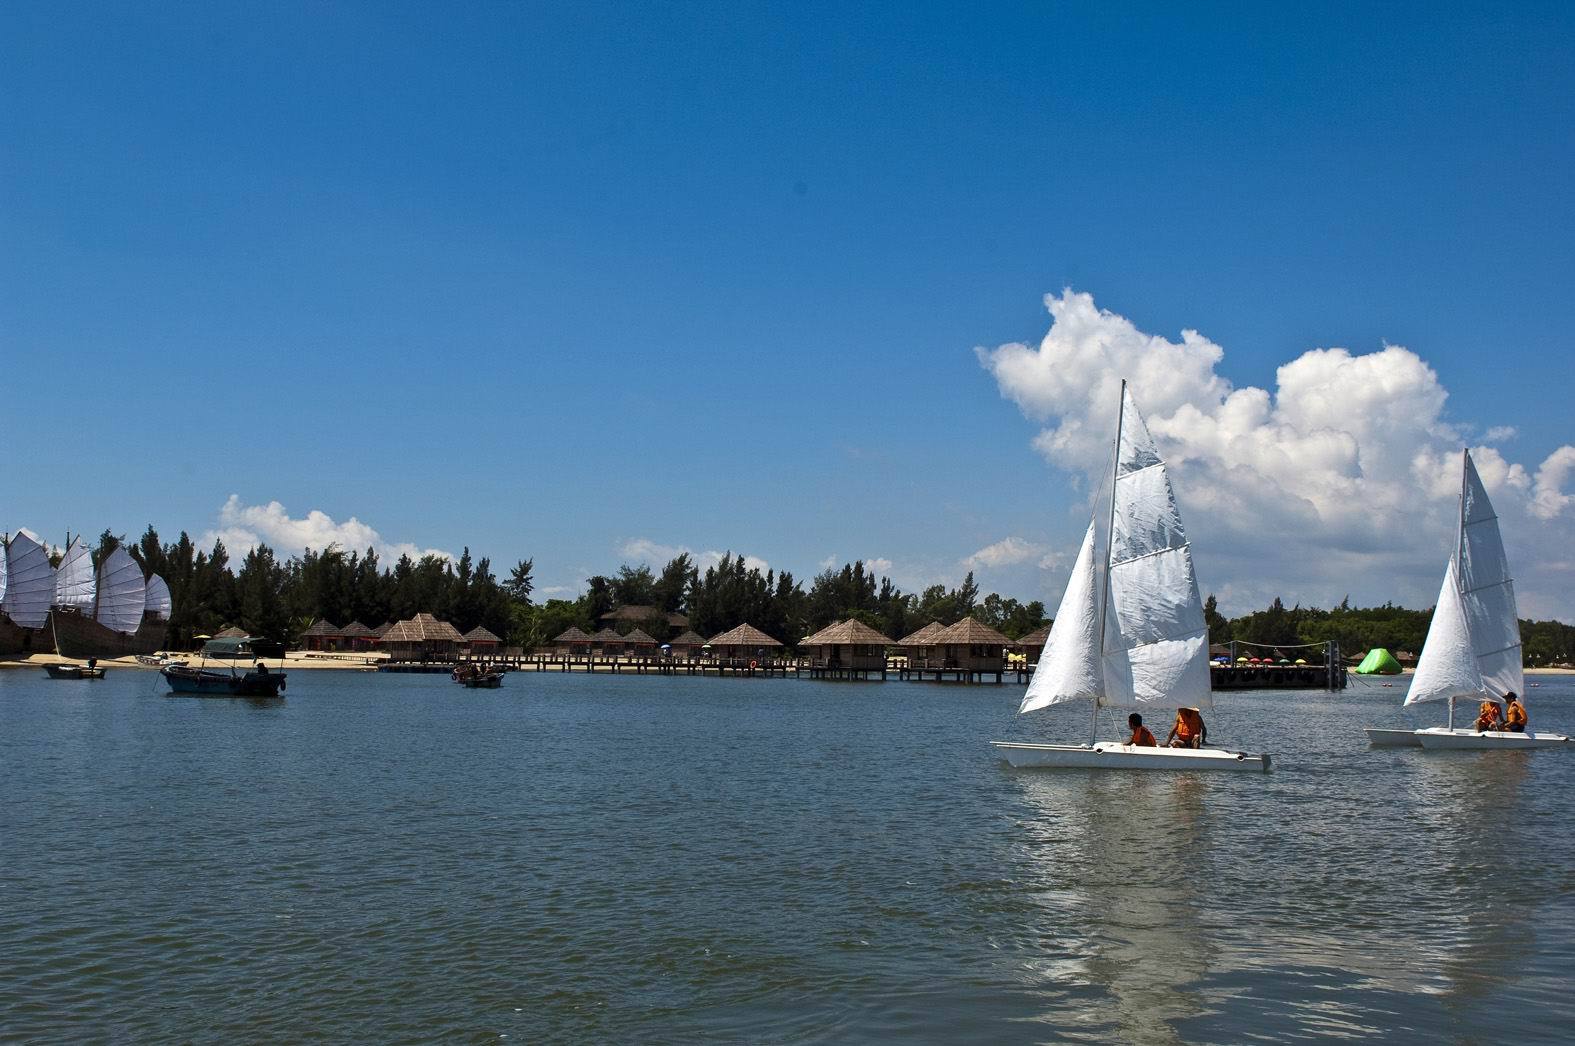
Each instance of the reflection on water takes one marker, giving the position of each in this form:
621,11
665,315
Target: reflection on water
1137,846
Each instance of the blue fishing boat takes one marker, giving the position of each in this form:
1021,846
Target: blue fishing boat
255,681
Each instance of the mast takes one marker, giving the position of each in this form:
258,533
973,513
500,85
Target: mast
1110,545
1460,548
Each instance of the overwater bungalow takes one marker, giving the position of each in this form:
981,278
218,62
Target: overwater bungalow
322,634
848,647
920,646
231,632
971,646
608,643
744,643
639,644
573,643
687,645
357,636
422,638
481,643
1032,646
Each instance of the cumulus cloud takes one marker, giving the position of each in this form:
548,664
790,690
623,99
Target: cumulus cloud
655,554
243,527
1006,552
1341,476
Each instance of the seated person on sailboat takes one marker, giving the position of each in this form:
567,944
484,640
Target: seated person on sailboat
1514,713
1188,731
1489,717
1142,736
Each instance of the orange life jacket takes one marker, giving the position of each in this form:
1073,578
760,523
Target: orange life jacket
1189,724
1143,737
1515,714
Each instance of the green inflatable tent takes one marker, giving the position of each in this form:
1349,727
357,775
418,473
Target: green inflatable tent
1378,662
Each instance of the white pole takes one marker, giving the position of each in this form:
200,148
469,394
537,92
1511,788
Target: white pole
1110,541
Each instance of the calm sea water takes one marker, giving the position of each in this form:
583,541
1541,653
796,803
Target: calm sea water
383,858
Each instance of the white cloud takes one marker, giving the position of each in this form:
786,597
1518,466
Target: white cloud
1342,478
1006,552
655,554
878,565
828,563
243,527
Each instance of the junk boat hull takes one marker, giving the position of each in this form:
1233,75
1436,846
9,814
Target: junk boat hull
1108,755
201,683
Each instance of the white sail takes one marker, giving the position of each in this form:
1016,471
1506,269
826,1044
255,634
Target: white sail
1486,592
122,594
3,574
1448,666
1473,643
74,579
1070,669
1156,639
159,597
30,586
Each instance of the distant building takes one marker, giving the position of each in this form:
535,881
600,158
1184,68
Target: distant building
422,638
849,644
321,635
920,646
971,646
744,643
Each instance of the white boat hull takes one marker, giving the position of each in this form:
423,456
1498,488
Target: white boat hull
1380,738
1435,738
1108,755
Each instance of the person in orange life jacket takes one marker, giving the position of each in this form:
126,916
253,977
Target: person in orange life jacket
1188,731
1489,717
1514,713
1142,736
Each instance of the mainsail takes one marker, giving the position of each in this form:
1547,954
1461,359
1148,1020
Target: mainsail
1154,645
1156,641
158,597
1473,643
74,578
30,585
122,594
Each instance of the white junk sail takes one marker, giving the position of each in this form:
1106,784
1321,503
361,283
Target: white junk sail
1156,639
1473,644
74,579
122,594
2,577
1069,669
31,583
159,597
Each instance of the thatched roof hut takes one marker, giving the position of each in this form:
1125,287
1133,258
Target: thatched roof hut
608,641
743,641
972,645
232,632
924,636
382,630
322,634
639,637
572,641
422,637
847,644
1032,646
481,639
688,644
357,636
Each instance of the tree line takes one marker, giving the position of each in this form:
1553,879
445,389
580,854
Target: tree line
278,599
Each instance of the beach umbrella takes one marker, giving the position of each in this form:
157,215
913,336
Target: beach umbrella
1241,661
1301,660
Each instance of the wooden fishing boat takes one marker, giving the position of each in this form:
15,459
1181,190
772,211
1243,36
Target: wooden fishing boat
256,681
74,672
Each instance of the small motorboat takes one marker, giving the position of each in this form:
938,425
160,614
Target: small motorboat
87,671
484,681
257,681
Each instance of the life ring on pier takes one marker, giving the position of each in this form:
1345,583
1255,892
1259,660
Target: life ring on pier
754,665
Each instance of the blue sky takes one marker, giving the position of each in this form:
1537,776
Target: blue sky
580,281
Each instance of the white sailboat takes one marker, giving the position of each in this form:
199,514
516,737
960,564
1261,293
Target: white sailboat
31,582
1138,640
1473,644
